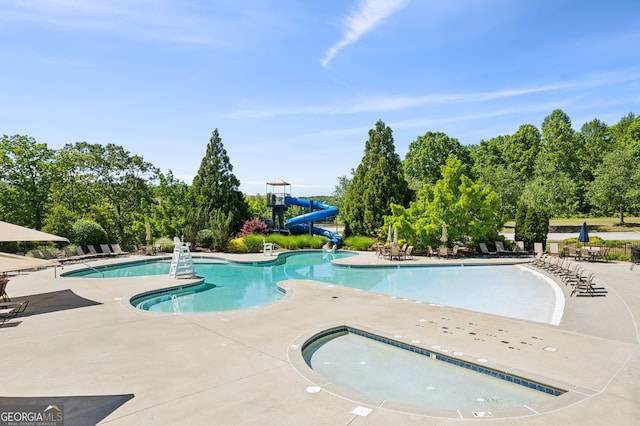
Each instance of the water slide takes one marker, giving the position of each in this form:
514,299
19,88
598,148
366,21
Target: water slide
323,211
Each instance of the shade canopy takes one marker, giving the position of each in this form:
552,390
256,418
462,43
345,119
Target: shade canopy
278,182
444,238
11,232
584,233
13,262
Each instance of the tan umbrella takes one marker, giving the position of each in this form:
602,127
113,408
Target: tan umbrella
11,232
148,234
444,238
14,262
389,235
395,236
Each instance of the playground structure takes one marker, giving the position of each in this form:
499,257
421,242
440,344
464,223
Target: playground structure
279,199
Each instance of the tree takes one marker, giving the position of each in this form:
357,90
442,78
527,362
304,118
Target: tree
532,226
377,183
107,184
597,141
470,210
522,150
215,189
26,174
521,214
427,155
616,186
552,188
168,214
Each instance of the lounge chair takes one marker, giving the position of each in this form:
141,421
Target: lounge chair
485,251
587,287
118,251
104,248
443,251
537,248
635,257
408,254
3,289
520,250
71,256
37,254
431,251
93,252
6,314
18,307
501,250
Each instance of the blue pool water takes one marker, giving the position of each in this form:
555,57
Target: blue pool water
506,290
381,370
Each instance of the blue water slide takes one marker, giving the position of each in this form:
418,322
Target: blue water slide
320,211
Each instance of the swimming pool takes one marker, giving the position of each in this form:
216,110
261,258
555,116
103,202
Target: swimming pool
506,290
391,371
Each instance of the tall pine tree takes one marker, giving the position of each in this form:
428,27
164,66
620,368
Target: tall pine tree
377,182
215,189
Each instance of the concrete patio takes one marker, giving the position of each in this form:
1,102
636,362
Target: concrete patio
80,337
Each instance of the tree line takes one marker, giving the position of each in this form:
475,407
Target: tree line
474,188
556,171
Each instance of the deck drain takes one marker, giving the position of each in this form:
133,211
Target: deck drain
313,389
550,349
482,414
362,411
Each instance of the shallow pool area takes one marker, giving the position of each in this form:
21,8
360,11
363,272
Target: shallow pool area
507,290
388,370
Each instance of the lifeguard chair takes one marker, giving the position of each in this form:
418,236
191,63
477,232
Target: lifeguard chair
277,191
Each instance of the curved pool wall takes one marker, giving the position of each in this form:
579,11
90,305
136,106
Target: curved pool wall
532,396
237,285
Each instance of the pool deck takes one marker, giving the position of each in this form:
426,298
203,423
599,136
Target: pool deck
80,337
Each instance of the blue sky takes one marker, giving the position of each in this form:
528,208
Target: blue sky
294,86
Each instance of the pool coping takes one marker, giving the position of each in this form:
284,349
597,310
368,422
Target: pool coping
571,393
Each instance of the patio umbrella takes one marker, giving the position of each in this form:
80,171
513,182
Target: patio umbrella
148,232
389,235
14,262
444,238
11,232
584,233
395,235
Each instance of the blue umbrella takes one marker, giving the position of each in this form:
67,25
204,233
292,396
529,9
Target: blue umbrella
584,233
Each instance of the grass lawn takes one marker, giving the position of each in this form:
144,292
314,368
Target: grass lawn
600,224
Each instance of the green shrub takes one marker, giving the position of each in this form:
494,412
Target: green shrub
204,238
358,242
87,232
618,256
253,242
166,244
237,245
296,242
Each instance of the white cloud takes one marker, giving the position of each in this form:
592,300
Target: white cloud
369,14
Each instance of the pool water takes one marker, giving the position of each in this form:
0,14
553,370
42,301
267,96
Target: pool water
506,290
379,370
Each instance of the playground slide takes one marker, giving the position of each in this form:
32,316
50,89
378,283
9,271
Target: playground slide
323,211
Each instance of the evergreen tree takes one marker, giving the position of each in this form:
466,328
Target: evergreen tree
377,182
521,214
215,191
